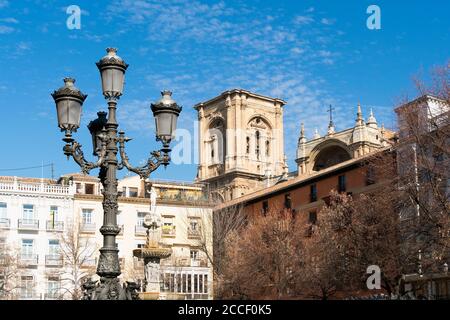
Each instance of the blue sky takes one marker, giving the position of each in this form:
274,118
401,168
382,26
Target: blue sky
310,53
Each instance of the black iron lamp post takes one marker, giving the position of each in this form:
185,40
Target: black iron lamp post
107,142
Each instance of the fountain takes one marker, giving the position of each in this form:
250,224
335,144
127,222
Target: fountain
153,252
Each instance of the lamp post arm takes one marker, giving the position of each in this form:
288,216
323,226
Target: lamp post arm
156,159
74,149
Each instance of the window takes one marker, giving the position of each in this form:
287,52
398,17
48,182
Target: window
257,144
28,212
189,283
312,219
370,175
195,283
89,188
140,219
184,283
267,147
313,192
53,287
86,216
194,225
27,287
133,192
287,201
341,183
54,213
27,247
3,211
265,207
194,255
247,149
79,187
53,247
205,283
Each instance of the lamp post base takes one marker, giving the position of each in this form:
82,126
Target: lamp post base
110,289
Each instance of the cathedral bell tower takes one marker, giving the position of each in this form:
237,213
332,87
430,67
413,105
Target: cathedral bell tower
240,141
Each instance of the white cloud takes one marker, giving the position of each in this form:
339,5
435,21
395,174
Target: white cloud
215,48
327,21
6,29
9,20
303,20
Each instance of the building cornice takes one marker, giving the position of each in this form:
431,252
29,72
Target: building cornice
145,201
239,91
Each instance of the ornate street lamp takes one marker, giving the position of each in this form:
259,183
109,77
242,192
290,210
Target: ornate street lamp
107,142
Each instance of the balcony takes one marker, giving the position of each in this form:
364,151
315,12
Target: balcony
168,231
29,295
5,223
55,225
199,263
28,224
26,260
52,295
15,185
53,260
87,227
194,233
140,230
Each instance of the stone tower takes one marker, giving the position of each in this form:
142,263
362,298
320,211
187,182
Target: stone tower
240,142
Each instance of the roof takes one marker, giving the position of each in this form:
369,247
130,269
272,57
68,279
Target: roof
80,177
249,93
296,181
27,179
420,99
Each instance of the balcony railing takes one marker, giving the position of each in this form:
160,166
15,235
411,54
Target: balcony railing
140,230
168,231
194,233
28,224
52,295
55,225
16,186
5,223
53,260
87,227
199,263
29,295
28,259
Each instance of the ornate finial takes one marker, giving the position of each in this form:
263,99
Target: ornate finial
316,134
111,51
69,81
359,117
302,130
371,121
330,124
330,110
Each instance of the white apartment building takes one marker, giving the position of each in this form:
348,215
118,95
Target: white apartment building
186,217
33,214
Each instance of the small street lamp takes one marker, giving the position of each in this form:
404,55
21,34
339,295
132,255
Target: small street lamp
107,142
